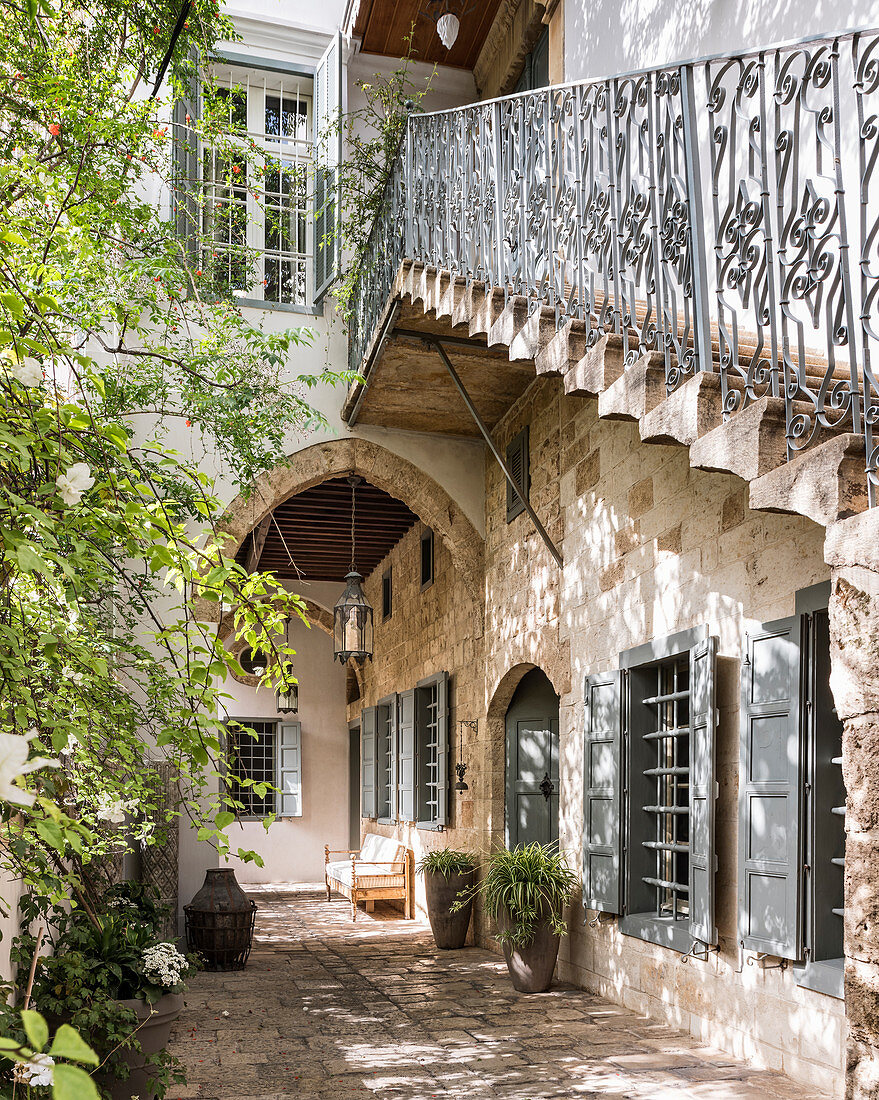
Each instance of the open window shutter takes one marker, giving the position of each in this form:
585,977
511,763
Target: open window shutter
327,157
602,795
394,746
185,204
290,769
770,792
367,762
517,463
442,752
406,744
703,790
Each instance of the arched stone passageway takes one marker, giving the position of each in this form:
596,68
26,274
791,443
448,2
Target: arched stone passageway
382,468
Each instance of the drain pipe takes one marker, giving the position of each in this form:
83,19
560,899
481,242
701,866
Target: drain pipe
432,341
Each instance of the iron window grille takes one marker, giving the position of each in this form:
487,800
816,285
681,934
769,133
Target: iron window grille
251,760
386,759
256,217
387,594
428,754
668,754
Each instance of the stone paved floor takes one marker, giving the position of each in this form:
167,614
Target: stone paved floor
334,1010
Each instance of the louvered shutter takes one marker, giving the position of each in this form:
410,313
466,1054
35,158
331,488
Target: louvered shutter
518,465
703,790
406,742
290,769
185,197
770,790
327,157
442,752
602,794
367,762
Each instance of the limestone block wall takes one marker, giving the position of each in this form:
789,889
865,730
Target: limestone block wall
650,547
432,630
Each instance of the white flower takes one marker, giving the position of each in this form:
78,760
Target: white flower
164,965
14,763
27,371
37,1070
74,483
112,810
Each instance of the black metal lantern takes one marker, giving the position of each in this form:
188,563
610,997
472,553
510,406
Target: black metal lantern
353,614
288,698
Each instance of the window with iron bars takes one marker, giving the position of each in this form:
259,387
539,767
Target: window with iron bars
427,736
255,209
386,759
252,758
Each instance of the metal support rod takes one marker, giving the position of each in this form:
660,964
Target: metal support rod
377,349
486,435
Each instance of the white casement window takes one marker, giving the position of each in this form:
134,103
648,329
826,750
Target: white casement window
261,208
262,226
650,790
265,759
792,797
404,761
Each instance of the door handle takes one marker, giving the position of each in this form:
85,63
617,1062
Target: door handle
546,786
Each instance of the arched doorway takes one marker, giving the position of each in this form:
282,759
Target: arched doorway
532,762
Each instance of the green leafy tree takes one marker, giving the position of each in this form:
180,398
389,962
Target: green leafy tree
110,335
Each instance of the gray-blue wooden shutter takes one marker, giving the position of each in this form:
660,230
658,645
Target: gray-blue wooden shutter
602,794
703,790
406,742
186,170
770,792
442,752
367,762
327,158
290,769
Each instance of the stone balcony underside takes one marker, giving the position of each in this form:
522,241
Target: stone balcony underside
499,349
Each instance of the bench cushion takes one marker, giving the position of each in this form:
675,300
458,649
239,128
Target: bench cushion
381,849
368,875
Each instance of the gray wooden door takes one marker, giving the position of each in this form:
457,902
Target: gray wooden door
532,768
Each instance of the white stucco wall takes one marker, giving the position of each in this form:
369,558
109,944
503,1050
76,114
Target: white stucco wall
293,848
604,37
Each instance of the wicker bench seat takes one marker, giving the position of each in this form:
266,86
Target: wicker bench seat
379,871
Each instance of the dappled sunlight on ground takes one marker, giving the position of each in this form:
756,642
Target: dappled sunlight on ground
335,1010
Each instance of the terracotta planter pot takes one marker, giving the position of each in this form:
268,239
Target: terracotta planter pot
153,1035
531,967
449,929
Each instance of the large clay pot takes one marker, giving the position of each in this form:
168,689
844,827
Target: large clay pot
449,929
153,1034
531,967
219,921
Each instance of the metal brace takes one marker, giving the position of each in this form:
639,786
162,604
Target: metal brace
597,922
700,951
760,960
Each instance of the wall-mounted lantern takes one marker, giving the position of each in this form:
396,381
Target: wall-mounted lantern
461,767
353,614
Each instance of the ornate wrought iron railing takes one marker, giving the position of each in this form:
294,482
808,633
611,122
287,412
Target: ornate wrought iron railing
722,215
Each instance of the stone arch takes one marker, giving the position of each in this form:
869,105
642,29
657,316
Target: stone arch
382,468
554,661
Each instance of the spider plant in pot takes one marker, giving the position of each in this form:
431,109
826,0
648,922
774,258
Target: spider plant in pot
448,876
526,891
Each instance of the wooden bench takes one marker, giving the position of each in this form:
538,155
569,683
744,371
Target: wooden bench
379,871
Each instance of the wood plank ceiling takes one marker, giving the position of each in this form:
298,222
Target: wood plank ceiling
383,25
316,530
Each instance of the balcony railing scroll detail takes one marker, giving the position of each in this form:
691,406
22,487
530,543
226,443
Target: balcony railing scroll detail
721,215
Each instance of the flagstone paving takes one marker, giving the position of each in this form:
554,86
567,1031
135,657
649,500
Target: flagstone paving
334,1010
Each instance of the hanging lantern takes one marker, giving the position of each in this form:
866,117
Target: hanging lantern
353,614
288,699
447,27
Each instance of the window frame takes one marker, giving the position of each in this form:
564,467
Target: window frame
520,443
427,539
387,760
436,686
665,931
243,794
387,593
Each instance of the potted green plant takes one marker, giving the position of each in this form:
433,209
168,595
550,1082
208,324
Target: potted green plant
448,875
113,978
526,891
